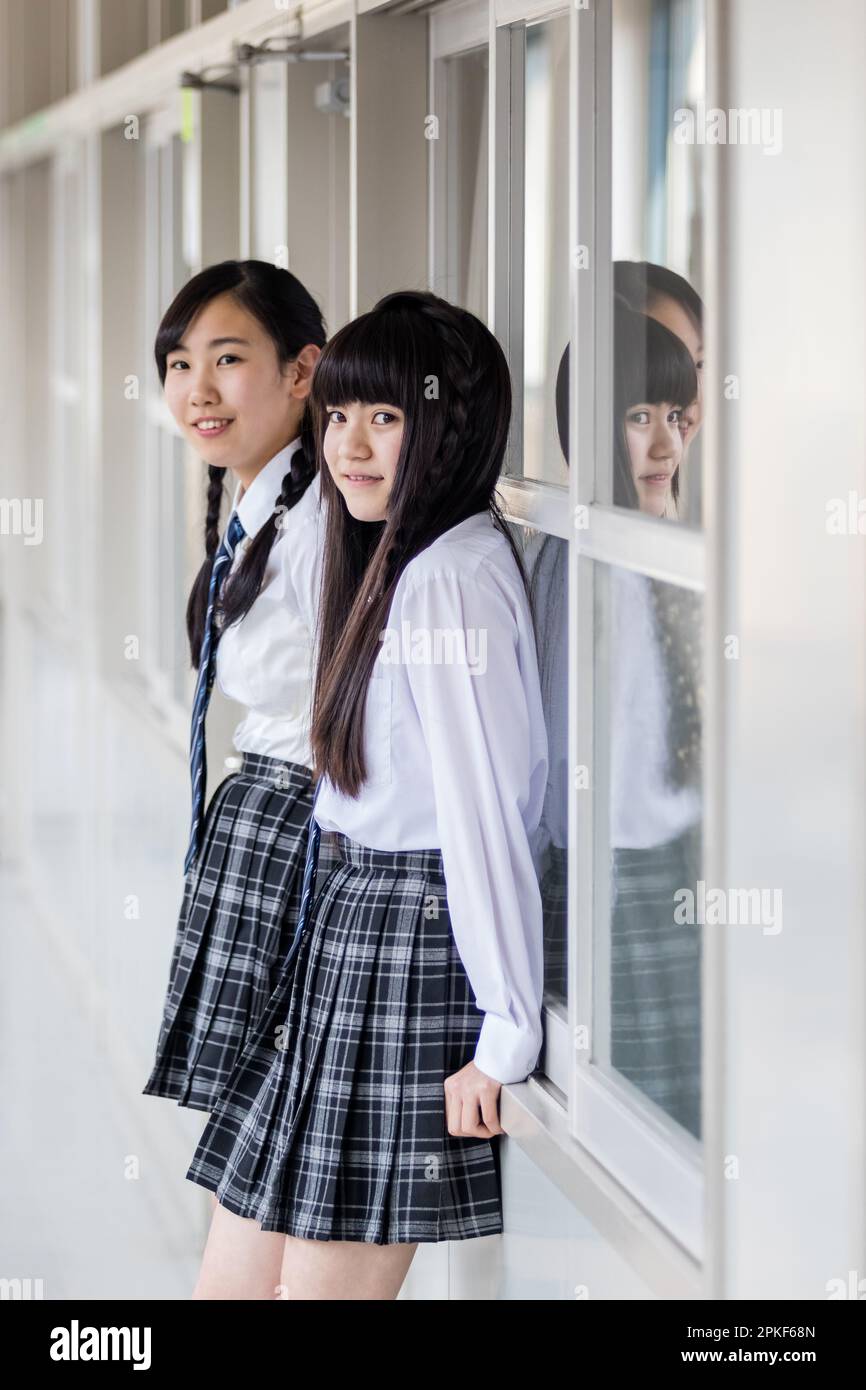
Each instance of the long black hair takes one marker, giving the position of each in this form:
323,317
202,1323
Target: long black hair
651,365
292,319
444,369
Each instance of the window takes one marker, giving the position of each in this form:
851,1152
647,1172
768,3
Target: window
164,577
638,576
545,241
459,167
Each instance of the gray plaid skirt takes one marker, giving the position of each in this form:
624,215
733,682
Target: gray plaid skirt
333,1126
656,977
240,907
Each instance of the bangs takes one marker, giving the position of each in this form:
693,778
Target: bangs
652,365
372,359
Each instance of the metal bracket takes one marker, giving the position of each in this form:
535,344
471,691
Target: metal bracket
249,54
198,81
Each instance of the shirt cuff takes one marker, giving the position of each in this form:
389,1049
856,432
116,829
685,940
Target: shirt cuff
505,1052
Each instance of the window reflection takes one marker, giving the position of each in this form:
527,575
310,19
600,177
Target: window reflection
649,670
648,674
547,561
658,69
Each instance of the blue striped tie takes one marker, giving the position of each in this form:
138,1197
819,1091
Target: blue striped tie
206,673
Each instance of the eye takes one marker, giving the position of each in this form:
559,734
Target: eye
230,355
391,416
675,416
638,417
179,362
332,413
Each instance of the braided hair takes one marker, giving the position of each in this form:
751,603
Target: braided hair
292,319
444,369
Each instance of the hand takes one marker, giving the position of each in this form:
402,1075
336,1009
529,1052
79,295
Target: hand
471,1104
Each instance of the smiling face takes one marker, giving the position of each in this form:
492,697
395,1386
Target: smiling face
361,447
655,450
672,315
226,389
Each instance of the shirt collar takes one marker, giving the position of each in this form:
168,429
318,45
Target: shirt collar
256,506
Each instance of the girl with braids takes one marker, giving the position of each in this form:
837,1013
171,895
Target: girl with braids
655,723
235,353
363,1117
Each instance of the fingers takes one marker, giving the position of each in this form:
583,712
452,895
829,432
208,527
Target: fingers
490,1110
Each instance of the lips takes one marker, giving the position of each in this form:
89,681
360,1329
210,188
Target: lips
363,477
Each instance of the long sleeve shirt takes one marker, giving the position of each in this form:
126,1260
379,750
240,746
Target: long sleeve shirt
456,752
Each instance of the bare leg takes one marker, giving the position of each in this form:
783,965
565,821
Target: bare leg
343,1269
241,1261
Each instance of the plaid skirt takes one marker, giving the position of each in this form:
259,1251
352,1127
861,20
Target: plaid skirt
240,907
333,1126
656,977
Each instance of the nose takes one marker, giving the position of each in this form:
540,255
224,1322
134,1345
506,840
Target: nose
201,387
662,444
353,441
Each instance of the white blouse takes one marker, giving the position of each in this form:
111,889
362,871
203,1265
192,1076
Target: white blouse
456,752
265,662
644,810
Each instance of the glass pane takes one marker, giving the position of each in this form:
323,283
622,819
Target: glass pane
547,564
461,248
658,93
647,832
545,243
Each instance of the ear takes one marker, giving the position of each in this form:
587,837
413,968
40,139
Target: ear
304,364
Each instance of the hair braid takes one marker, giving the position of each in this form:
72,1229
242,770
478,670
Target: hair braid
196,607
239,596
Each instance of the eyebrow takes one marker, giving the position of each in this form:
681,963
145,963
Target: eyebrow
214,342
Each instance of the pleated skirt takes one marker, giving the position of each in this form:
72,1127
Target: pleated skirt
239,912
333,1126
656,977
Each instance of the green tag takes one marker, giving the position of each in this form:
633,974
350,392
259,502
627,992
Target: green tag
187,114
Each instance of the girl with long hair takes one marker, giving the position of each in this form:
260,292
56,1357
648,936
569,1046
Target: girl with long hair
235,352
369,1096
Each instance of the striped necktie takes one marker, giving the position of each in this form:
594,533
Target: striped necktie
314,834
206,673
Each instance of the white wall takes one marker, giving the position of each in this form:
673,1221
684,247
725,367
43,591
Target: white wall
794,292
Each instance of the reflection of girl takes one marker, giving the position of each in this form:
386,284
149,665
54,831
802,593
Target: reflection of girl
415,989
235,353
655,741
675,304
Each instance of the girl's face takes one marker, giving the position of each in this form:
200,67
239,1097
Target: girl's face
226,389
361,447
673,316
655,450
